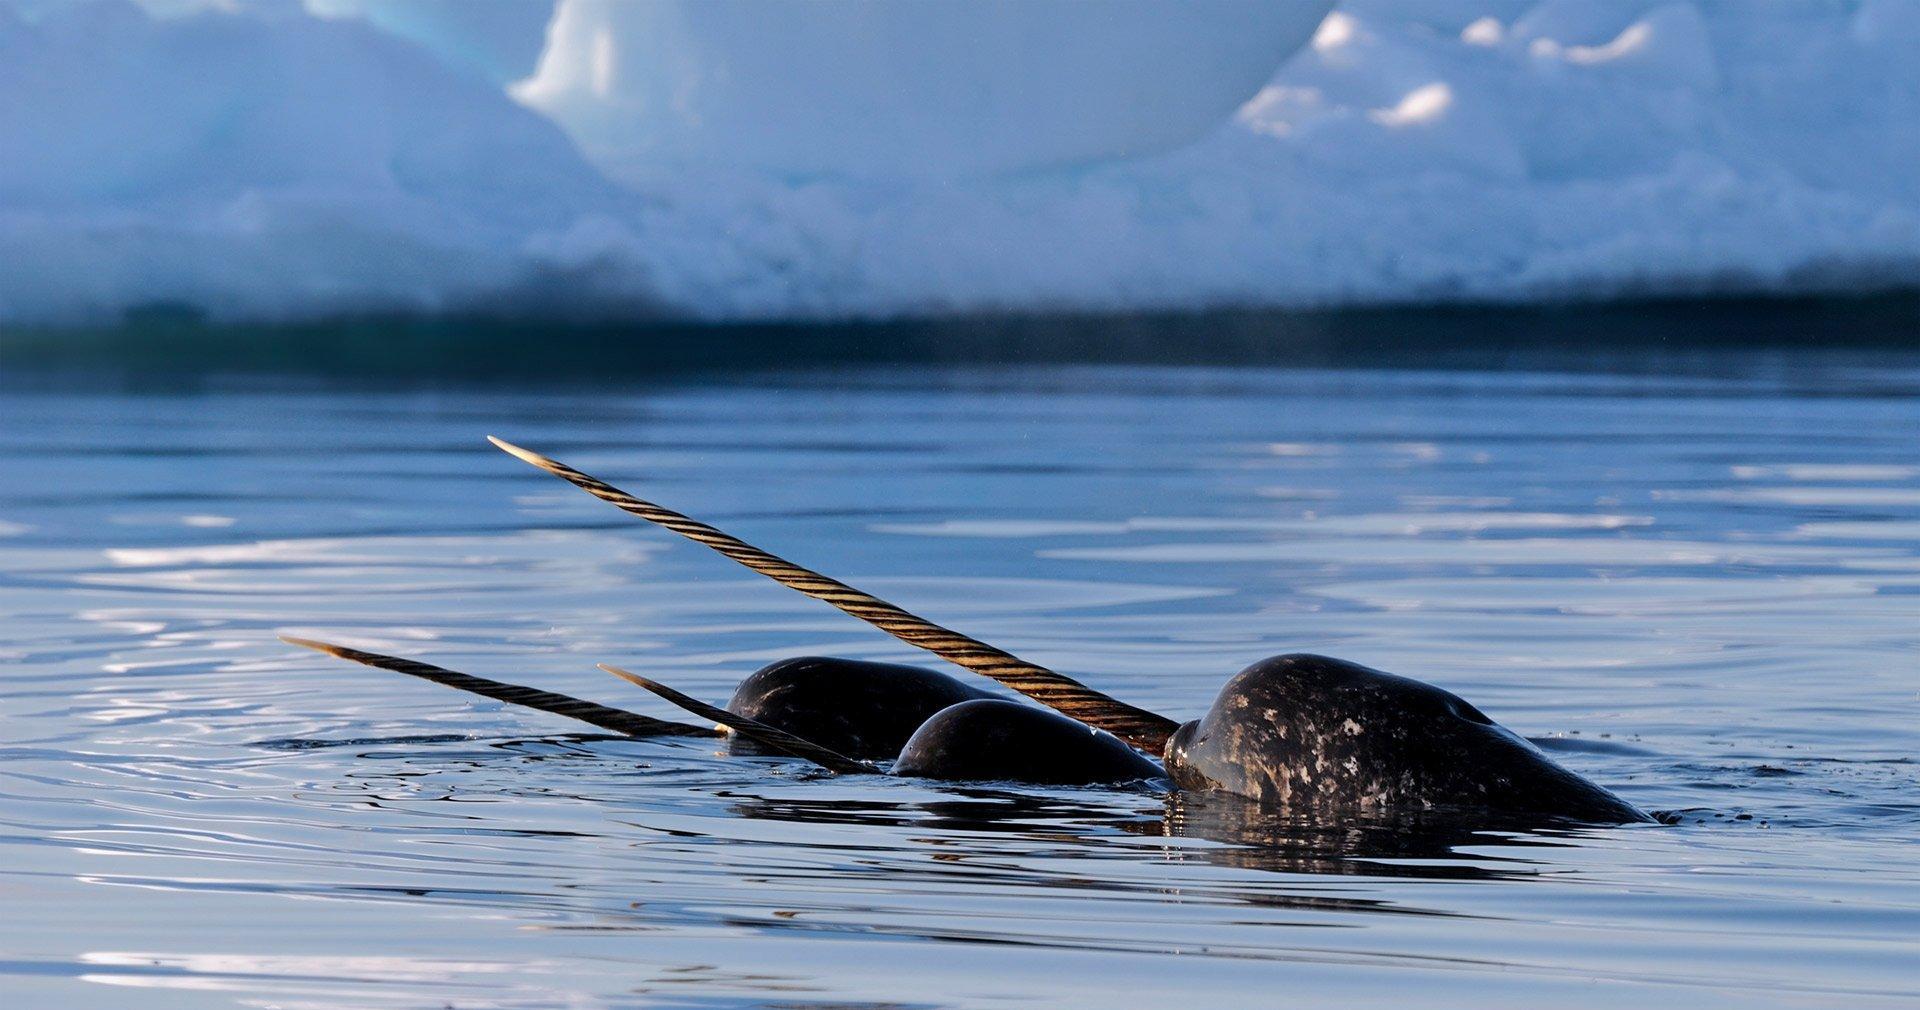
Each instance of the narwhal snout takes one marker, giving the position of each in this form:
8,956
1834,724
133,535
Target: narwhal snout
1175,757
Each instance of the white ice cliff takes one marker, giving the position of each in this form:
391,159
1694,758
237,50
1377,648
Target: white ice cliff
771,159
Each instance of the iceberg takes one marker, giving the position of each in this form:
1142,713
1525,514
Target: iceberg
500,40
928,88
262,167
725,160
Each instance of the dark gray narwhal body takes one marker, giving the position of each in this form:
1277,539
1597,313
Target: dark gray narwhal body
1005,741
862,709
983,740
937,726
1310,733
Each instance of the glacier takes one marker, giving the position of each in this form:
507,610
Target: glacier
732,160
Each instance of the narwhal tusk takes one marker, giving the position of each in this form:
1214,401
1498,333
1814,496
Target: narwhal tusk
752,729
630,723
1137,726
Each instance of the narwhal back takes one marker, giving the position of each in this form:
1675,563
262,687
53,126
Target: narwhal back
1307,733
861,709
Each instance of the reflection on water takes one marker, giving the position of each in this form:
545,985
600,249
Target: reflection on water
1698,586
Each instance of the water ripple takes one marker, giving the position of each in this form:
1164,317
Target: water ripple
1698,589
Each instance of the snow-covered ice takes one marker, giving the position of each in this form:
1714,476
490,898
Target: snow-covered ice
929,88
732,159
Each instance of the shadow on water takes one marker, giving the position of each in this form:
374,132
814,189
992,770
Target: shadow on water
1419,844
981,837
1243,834
164,347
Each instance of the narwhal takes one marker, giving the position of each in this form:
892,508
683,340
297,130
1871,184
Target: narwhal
845,715
1298,732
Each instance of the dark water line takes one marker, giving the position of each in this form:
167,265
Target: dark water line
167,348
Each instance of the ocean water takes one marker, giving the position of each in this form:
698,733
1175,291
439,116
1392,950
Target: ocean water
1694,578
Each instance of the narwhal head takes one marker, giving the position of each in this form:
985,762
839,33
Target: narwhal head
861,709
1316,734
996,740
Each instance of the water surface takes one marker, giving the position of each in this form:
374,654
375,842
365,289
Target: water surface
1698,585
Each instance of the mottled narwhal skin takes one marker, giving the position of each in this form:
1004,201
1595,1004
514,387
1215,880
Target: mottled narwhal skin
1310,733
861,709
1005,741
